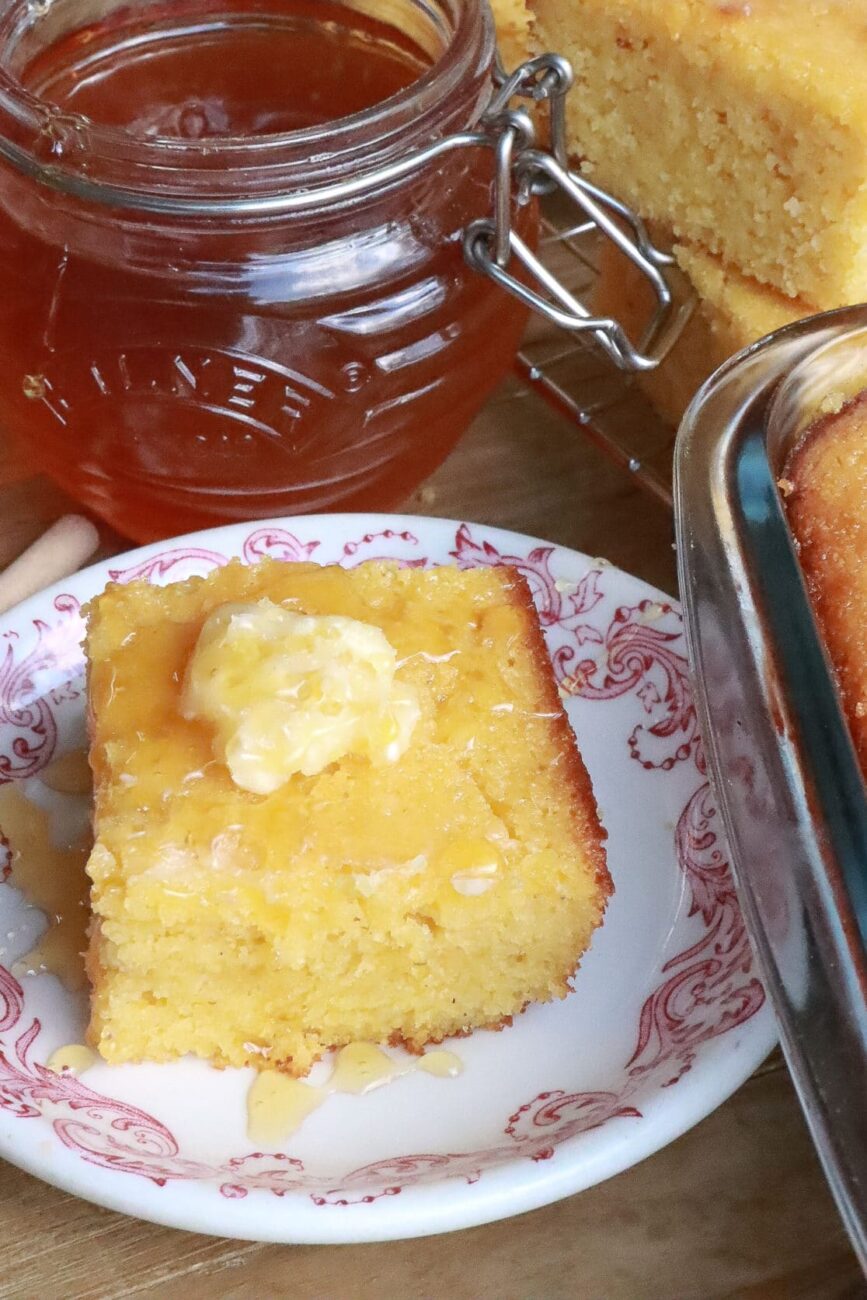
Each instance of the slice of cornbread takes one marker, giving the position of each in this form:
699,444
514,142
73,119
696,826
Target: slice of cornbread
512,18
445,869
742,126
825,488
732,312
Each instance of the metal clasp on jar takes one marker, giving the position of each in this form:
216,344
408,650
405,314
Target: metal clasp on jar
491,243
492,246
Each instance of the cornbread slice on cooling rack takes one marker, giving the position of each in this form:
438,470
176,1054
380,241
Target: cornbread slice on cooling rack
825,488
741,126
440,873
512,18
732,311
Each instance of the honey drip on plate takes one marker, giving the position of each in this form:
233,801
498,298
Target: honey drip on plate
69,774
52,879
361,1067
277,1104
73,1058
443,1065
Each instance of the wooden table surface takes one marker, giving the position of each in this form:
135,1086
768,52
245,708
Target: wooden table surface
736,1208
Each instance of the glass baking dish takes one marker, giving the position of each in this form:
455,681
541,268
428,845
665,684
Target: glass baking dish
779,753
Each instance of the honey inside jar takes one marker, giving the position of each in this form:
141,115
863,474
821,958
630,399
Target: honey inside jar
281,67
176,363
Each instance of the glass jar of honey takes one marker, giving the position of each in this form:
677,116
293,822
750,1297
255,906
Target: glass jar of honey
212,305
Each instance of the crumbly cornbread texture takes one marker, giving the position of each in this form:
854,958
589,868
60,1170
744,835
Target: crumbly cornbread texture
741,126
732,312
401,901
512,18
825,487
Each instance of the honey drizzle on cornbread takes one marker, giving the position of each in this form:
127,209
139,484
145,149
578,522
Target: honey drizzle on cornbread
277,1104
347,873
51,878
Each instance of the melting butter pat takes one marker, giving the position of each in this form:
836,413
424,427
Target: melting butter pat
291,693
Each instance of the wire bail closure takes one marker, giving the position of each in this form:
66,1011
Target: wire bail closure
522,171
491,244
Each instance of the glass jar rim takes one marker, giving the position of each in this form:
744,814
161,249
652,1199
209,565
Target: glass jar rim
299,170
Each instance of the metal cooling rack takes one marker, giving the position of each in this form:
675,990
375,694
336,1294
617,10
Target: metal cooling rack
606,406
574,377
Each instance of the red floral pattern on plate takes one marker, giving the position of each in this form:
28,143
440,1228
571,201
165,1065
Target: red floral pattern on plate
705,991
28,700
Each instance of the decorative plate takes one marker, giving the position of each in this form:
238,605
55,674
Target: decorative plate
667,1017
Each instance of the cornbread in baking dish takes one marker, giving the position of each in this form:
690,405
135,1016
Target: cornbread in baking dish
732,312
741,126
825,491
331,805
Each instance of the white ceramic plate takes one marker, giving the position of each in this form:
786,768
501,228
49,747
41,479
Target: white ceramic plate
667,1018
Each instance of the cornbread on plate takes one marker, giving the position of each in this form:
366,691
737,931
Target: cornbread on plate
741,126
331,805
825,491
732,312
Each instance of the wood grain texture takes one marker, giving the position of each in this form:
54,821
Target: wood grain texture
737,1209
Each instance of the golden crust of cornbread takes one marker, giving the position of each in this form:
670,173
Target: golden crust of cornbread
512,18
825,492
262,930
732,312
743,127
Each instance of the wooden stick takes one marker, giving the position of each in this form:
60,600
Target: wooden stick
63,549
